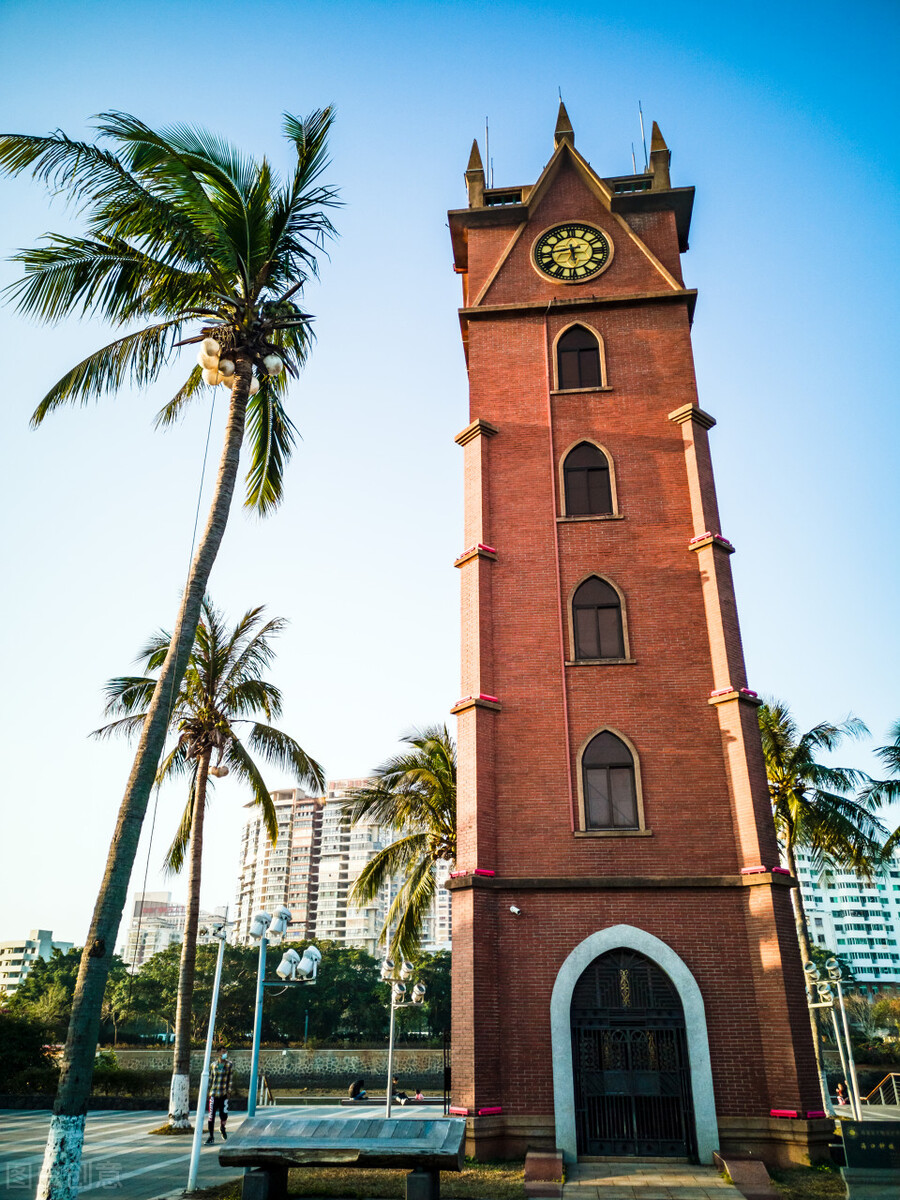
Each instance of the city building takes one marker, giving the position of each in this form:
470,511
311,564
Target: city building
317,859
19,956
156,922
858,920
619,932
285,873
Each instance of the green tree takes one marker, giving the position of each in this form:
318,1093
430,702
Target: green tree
22,1038
181,231
412,794
222,694
45,995
434,971
816,806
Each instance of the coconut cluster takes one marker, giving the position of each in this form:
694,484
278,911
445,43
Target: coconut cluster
217,369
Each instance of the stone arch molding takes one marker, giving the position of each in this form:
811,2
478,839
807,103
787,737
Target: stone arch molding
628,937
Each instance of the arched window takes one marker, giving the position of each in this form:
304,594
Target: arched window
586,481
578,359
610,797
597,620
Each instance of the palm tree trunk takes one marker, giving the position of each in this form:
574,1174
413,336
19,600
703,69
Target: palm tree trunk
806,956
62,1156
180,1089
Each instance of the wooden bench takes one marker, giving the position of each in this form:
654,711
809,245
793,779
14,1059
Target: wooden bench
270,1143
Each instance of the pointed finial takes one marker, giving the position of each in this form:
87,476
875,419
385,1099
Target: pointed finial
660,157
563,131
657,141
475,178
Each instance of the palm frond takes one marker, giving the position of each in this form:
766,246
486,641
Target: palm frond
282,751
176,406
174,859
271,435
137,356
392,860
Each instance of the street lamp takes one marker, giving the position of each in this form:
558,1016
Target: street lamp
292,970
825,992
401,997
220,932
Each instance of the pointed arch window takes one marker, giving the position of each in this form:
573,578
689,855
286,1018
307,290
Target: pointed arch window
597,620
578,360
586,479
608,778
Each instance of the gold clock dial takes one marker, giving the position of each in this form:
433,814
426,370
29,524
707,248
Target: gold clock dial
572,253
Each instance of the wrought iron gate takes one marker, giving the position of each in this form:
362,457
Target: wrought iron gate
629,1052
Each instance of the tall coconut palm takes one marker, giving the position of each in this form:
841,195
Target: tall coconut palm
190,241
822,809
222,692
414,795
818,808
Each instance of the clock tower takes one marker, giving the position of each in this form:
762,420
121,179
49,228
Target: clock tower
626,977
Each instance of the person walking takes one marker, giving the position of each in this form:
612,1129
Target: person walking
219,1091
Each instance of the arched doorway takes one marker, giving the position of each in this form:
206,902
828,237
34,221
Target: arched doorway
632,1079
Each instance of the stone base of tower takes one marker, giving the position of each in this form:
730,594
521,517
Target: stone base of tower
776,1141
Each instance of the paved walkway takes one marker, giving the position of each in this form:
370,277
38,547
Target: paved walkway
634,1180
119,1158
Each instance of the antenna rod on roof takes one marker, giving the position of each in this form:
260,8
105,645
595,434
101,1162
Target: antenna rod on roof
487,152
643,135
633,163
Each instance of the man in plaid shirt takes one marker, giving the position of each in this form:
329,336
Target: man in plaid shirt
219,1091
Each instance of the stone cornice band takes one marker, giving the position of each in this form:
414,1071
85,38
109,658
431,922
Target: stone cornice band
690,412
613,883
478,428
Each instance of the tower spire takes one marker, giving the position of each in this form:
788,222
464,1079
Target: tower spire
563,131
475,177
660,157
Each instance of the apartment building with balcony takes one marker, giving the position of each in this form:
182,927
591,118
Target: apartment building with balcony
19,956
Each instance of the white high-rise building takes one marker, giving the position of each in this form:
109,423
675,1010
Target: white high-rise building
156,922
318,858
19,956
284,873
858,920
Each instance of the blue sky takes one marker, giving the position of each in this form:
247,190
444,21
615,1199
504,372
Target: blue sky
782,115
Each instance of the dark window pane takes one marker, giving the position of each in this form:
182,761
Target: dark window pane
596,591
568,369
577,497
609,622
589,367
586,477
596,792
624,805
599,491
586,643
585,455
578,359
606,750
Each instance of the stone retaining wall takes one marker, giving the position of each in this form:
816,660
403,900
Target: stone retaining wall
339,1067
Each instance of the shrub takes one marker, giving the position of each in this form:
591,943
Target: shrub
22,1040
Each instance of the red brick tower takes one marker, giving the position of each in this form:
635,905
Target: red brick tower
626,978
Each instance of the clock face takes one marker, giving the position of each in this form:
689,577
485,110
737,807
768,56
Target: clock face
572,253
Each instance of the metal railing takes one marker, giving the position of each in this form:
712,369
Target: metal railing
264,1095
887,1092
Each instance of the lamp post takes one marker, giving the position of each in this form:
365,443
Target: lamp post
400,998
833,967
220,932
291,966
825,994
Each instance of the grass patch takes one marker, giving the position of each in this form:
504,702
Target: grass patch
169,1131
809,1183
477,1181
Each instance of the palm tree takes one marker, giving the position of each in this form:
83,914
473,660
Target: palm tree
222,689
414,795
207,245
815,810
824,810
